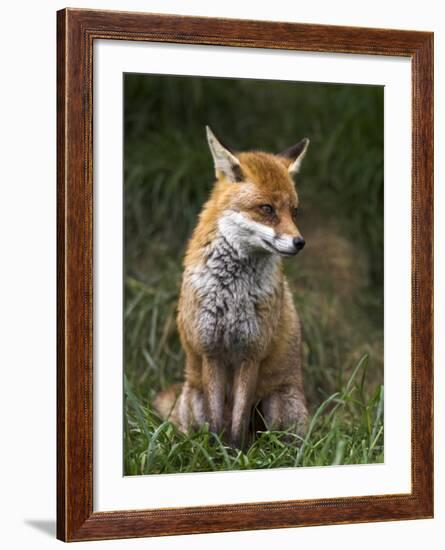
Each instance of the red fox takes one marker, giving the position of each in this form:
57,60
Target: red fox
236,318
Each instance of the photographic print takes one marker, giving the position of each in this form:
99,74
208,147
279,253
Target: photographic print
226,328
253,274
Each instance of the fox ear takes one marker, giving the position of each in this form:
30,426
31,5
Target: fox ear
224,160
295,154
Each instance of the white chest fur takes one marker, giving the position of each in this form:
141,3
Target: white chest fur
230,286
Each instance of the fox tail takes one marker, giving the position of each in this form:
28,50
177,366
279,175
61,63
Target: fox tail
165,401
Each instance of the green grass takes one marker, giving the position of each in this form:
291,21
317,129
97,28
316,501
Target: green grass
347,428
337,281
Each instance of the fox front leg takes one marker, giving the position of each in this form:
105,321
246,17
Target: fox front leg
244,386
214,383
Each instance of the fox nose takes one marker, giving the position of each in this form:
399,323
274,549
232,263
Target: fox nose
299,243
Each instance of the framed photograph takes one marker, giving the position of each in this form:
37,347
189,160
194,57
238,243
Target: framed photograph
245,229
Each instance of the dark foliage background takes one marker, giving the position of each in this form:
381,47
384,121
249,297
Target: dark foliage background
337,280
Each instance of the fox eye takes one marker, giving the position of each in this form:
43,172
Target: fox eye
294,213
267,209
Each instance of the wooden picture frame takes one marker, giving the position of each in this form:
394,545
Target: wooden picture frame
76,32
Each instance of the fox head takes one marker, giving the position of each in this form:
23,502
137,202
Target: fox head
255,197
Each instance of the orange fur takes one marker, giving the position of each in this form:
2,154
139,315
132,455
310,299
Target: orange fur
223,384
